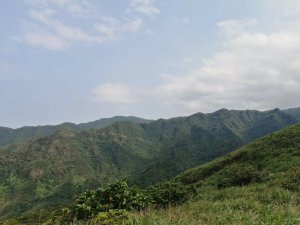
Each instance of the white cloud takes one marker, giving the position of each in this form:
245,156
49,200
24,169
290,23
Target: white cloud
146,7
76,8
112,28
133,25
231,28
47,28
46,40
48,31
287,8
115,94
256,68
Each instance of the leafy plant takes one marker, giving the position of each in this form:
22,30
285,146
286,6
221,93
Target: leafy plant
169,193
112,197
112,217
239,175
292,181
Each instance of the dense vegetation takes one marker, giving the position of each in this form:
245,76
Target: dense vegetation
295,112
257,184
9,136
44,174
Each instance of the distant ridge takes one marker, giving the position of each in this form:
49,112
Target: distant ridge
294,112
9,136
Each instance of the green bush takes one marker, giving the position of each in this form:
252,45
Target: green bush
109,205
292,181
113,196
112,217
169,193
239,175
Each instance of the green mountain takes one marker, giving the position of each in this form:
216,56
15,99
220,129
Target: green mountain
273,159
46,173
200,138
257,184
295,112
9,136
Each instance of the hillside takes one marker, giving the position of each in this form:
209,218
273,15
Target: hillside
257,184
200,138
295,112
9,136
47,172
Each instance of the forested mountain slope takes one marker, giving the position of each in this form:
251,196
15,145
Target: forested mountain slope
47,172
257,184
9,136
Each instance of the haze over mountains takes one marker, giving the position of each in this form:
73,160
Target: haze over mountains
60,161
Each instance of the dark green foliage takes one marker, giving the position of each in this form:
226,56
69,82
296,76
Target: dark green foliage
239,175
9,136
295,112
292,180
46,173
272,160
111,203
200,138
169,194
260,185
113,196
112,217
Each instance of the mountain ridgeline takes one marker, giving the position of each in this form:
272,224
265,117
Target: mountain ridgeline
47,171
9,136
256,184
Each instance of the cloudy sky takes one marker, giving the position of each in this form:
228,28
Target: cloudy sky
81,60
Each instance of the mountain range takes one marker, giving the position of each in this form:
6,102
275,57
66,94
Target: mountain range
256,184
9,136
44,167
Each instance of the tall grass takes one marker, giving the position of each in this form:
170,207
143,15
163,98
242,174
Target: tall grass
252,205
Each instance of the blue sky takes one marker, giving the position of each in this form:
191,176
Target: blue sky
81,60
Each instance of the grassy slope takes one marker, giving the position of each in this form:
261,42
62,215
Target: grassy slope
275,200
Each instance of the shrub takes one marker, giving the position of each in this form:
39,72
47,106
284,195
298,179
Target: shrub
113,196
112,217
292,181
109,205
169,193
239,175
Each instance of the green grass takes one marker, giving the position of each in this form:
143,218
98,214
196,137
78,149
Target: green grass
252,205
270,196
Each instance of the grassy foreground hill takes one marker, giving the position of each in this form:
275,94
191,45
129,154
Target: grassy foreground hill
257,184
45,173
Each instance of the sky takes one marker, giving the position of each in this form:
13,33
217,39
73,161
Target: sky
82,60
